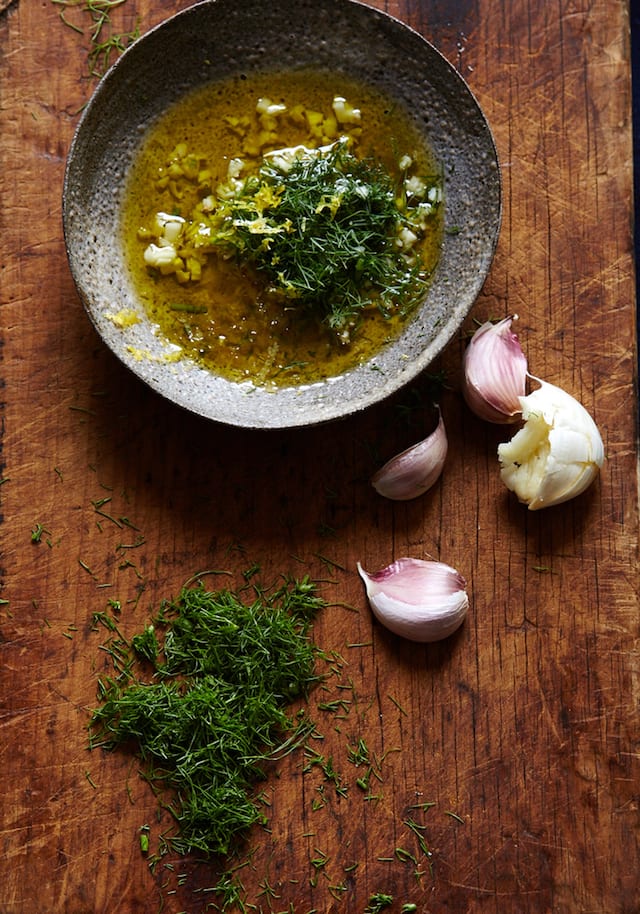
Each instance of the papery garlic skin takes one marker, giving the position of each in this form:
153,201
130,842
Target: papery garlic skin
420,600
495,372
558,452
413,472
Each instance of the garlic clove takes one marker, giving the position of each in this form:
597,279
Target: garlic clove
420,600
415,470
495,372
558,452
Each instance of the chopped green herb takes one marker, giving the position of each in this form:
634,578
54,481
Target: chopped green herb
267,889
330,563
332,234
425,807
329,772
418,832
320,861
328,234
145,644
404,855
377,902
359,754
90,780
37,533
98,504
127,523
140,541
338,890
144,839
397,704
216,709
338,704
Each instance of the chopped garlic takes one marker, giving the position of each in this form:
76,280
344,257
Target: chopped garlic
406,238
266,106
169,226
415,186
345,113
160,255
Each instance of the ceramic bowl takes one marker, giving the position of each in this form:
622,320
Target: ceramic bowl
212,40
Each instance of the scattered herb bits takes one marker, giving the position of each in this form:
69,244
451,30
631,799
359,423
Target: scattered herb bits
103,40
214,708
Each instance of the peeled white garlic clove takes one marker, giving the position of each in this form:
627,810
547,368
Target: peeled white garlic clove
415,470
417,599
495,372
558,452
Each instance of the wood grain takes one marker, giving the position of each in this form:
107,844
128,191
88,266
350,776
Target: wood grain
522,730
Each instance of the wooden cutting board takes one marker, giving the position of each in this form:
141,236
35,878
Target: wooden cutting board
513,748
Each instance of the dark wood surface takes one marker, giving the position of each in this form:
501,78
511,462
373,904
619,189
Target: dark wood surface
523,730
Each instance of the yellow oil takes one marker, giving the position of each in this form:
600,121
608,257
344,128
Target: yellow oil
243,333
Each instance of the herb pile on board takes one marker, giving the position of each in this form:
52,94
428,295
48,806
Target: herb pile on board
214,710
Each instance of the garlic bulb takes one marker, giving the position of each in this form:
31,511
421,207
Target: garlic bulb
495,372
415,470
558,452
417,599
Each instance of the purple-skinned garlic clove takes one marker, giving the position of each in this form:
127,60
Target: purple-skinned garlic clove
421,600
495,372
412,472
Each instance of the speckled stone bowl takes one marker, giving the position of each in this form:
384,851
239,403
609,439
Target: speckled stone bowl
214,39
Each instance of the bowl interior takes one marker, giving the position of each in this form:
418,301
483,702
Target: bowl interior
210,41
